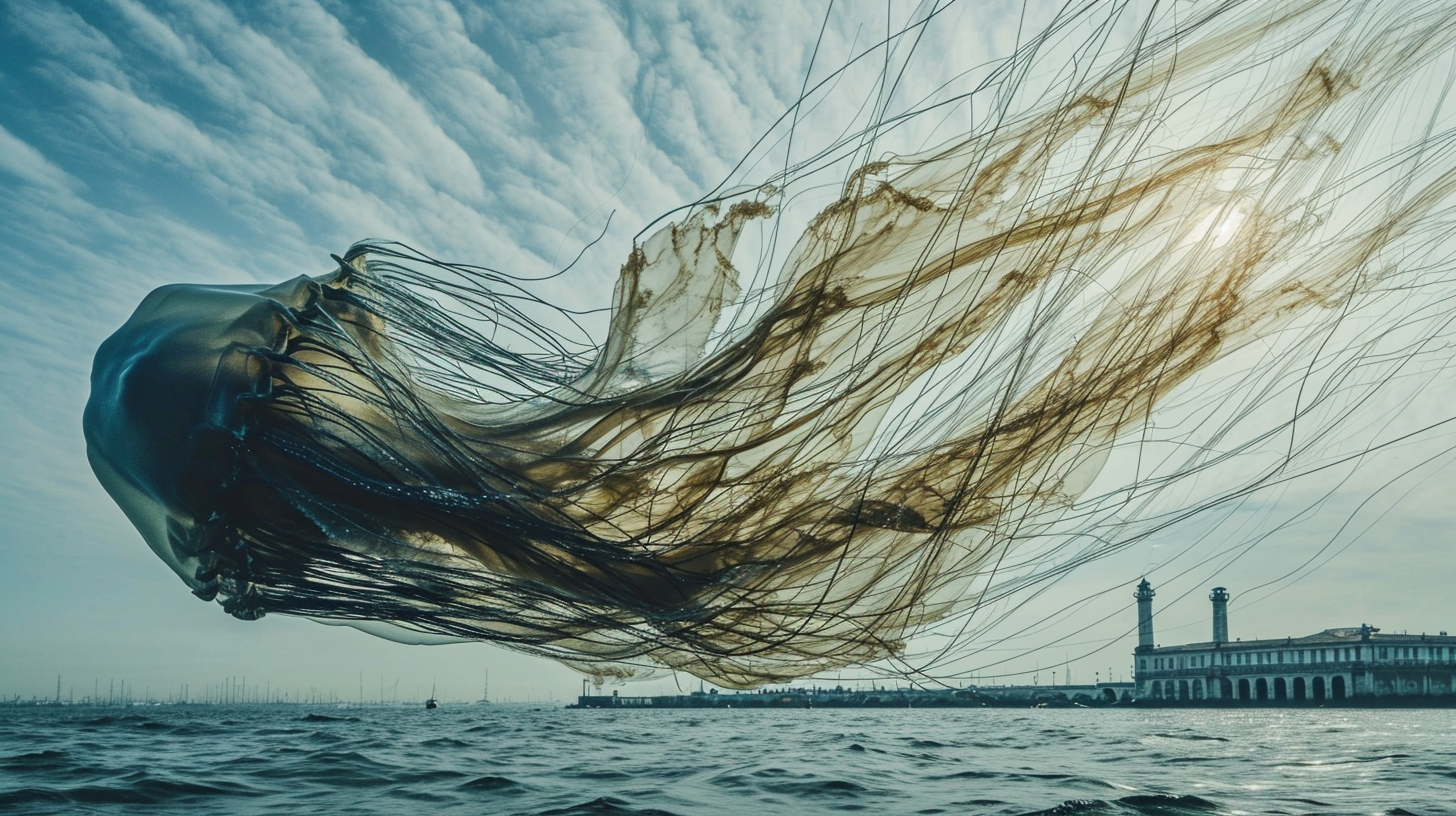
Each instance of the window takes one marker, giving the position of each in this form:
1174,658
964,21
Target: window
1384,652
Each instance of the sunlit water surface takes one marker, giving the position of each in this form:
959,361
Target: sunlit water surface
481,759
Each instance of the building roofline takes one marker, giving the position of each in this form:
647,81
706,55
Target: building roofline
1344,636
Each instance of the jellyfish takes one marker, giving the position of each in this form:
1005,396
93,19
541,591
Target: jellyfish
1061,327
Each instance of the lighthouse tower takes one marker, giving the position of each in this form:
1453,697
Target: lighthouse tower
1144,597
1220,598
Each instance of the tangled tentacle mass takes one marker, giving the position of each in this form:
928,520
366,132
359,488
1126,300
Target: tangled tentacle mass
1049,331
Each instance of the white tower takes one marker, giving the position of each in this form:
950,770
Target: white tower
1144,597
1220,598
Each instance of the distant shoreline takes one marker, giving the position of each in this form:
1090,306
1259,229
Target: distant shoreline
1010,697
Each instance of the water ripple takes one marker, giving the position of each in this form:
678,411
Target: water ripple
535,762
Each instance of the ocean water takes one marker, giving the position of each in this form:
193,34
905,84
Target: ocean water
477,759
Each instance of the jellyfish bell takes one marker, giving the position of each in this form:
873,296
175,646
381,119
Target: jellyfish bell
170,394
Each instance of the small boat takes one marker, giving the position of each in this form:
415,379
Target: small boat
430,703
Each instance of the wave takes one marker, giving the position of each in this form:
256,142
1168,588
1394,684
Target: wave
1143,804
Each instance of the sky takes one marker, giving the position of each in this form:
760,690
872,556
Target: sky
208,142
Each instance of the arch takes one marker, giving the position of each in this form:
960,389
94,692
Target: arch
1281,689
1318,685
1299,688
1244,689
1109,696
1225,688
1182,689
1337,687
1197,688
1261,689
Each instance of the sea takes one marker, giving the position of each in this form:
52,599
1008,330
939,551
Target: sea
539,760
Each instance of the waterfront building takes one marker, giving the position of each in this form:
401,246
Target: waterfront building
1333,665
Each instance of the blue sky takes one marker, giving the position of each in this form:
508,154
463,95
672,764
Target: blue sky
199,141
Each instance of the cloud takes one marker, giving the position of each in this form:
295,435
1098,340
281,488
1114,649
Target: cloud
30,166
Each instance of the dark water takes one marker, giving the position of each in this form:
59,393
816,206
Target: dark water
499,759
